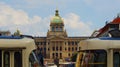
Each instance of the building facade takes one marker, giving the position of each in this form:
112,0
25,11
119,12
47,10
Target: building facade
5,33
109,27
57,43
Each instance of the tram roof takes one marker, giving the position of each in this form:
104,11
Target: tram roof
10,37
100,43
16,42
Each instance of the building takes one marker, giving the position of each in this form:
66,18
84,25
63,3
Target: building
5,33
57,43
105,31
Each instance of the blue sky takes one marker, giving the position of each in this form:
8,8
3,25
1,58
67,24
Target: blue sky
81,17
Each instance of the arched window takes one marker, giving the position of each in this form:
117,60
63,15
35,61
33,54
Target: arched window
18,59
6,59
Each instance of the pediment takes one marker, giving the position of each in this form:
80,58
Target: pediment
56,38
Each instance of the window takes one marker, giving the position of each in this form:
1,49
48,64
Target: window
60,48
48,43
6,59
116,59
57,48
60,28
0,58
57,29
60,55
76,43
93,58
76,48
53,55
18,59
53,29
48,49
65,48
69,54
53,48
44,43
68,42
72,43
56,54
44,49
72,48
65,43
40,43
69,49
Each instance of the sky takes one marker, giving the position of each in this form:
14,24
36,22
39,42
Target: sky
32,17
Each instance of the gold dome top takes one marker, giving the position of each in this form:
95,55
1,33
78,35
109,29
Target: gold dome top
56,18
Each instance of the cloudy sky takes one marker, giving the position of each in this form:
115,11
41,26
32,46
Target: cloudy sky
32,17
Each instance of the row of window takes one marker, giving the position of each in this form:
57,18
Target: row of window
54,55
69,43
60,48
72,43
6,59
40,43
57,28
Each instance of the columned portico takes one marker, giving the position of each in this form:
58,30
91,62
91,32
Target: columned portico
57,42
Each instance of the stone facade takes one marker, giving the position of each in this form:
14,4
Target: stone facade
57,43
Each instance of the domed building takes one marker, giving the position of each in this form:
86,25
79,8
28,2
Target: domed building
57,43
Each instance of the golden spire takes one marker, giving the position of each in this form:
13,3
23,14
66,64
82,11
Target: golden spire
56,12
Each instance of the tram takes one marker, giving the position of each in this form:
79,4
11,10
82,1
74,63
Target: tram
16,51
99,52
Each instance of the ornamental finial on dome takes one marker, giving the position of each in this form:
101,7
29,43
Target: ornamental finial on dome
56,12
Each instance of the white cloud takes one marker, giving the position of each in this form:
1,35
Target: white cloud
79,28
11,19
10,16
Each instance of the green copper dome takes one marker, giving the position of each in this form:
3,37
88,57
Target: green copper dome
56,18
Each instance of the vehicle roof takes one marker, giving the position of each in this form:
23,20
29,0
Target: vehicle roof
100,43
9,42
10,37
